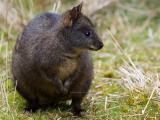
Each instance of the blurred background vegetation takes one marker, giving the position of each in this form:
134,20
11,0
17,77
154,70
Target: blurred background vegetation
126,84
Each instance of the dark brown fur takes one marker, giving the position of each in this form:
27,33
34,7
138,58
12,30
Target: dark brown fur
51,62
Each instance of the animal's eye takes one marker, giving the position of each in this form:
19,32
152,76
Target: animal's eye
88,33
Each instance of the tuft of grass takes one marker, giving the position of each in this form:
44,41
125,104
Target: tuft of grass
126,84
56,7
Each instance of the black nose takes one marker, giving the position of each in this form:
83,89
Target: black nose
100,45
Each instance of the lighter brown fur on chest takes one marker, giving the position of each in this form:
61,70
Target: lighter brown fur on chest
67,68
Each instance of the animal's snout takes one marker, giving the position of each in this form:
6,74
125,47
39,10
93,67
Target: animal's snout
100,46
96,46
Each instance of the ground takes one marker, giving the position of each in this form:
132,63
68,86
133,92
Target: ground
130,30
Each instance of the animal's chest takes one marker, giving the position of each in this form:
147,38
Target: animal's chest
67,68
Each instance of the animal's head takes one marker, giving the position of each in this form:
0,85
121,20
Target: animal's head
79,30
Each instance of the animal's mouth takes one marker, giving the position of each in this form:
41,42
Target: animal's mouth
92,48
95,48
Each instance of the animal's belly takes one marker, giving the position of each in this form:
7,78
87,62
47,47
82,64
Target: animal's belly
66,69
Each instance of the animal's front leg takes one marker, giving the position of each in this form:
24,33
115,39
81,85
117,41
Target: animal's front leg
67,85
70,81
55,81
76,107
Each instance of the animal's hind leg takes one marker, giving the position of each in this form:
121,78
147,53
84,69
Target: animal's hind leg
32,101
32,106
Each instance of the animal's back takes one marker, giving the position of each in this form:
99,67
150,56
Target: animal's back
36,28
24,71
43,22
30,40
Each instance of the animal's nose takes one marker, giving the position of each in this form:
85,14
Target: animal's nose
100,45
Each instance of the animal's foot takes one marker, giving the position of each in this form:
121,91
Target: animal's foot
30,109
79,112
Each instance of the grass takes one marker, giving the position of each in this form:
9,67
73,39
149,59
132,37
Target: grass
126,84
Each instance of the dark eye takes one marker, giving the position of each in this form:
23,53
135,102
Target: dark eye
87,34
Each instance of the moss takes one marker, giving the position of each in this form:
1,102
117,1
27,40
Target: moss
121,103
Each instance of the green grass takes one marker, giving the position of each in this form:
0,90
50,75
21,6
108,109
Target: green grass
136,27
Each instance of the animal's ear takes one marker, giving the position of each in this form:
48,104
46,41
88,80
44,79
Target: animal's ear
72,15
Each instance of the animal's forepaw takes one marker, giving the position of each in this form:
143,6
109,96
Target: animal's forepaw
79,112
65,91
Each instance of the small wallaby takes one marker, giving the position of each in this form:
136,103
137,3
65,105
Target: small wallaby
51,60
